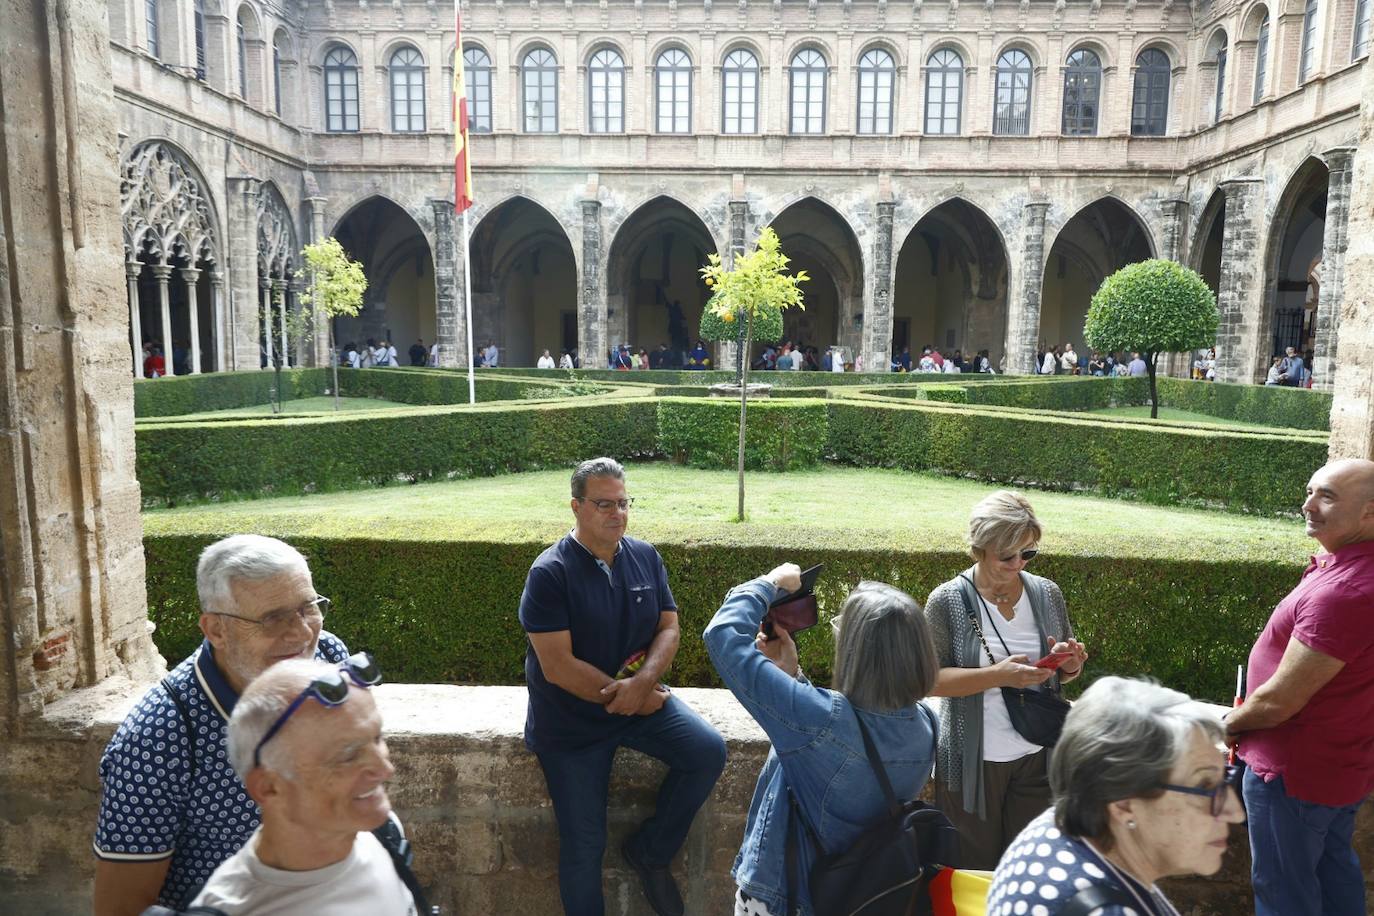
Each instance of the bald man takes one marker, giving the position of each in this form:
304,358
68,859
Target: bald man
1306,729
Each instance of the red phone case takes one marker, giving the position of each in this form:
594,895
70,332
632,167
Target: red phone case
1053,661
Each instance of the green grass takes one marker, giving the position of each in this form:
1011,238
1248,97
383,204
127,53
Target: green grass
1183,416
867,508
302,407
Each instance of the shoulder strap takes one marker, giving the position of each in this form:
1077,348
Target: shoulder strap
185,714
973,618
894,807
398,847
1095,897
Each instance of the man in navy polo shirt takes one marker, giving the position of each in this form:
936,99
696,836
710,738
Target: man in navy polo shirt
603,629
171,807
1306,729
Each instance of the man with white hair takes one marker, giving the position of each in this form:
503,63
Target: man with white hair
306,739
171,807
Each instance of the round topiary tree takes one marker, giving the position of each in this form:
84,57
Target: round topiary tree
1152,307
714,327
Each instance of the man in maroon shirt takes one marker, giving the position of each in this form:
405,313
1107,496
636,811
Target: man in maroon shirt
1306,729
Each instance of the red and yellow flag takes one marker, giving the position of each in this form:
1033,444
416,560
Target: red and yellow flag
462,166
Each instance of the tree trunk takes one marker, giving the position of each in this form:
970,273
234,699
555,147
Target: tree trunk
1150,358
334,362
743,405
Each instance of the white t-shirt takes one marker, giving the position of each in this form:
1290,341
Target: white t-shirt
545,362
1047,368
391,356
353,359
837,361
1001,742
434,355
364,884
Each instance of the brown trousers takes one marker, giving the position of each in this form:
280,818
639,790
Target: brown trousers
1017,792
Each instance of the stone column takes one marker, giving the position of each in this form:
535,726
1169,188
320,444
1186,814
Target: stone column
1340,162
265,319
192,276
245,295
1241,300
131,271
1023,312
727,350
1173,243
591,305
877,335
450,316
163,273
1352,401
278,300
322,350
217,313
293,301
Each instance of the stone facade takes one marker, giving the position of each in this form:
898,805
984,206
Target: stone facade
261,115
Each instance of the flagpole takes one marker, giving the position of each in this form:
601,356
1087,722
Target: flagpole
467,310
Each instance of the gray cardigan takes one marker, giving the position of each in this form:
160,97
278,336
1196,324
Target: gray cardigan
960,749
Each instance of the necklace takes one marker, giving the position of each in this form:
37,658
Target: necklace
997,597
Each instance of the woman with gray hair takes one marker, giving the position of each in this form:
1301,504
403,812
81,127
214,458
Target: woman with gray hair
817,765
1141,792
991,623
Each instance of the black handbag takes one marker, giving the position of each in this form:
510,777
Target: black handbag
1037,713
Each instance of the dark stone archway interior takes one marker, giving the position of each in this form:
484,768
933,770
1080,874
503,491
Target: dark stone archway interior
396,258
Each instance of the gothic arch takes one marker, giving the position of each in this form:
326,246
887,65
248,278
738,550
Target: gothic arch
165,205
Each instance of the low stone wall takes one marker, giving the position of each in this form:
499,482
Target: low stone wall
472,798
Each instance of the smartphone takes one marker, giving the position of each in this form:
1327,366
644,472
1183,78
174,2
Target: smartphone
796,611
1054,660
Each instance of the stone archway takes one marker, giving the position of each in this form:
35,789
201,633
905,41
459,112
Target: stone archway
819,241
524,284
1294,256
1099,240
950,290
279,336
654,292
399,305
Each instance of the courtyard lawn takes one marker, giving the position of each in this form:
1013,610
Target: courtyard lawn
1183,416
301,407
860,508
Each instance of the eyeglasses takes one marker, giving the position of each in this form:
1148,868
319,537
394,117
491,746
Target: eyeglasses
606,505
279,623
331,691
1218,794
1026,555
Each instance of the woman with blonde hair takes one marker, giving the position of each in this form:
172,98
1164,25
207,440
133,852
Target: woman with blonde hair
991,623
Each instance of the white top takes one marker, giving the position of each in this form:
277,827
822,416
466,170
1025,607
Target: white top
545,362
353,358
1047,367
951,368
837,361
1001,742
364,884
391,356
434,354
565,361
490,356
1069,361
380,357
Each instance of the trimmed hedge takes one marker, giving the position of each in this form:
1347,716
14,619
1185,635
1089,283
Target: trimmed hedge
776,378
429,386
1269,405
778,436
185,461
170,397
1184,620
1252,472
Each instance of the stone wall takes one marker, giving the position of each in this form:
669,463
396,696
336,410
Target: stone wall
473,801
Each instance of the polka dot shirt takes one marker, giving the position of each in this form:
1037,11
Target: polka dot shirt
152,807
1043,869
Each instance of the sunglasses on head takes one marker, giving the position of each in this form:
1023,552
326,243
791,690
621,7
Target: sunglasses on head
1026,555
330,690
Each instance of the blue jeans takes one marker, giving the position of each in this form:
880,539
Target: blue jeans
579,784
1302,860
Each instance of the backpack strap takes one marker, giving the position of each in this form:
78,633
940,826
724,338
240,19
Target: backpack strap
402,855
894,807
1095,897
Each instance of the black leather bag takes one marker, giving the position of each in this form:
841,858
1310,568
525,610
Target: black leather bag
1037,713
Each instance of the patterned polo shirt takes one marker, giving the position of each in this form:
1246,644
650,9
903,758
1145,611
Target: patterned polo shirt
168,791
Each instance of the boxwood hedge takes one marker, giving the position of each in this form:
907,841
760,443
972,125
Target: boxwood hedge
445,611
1268,405
779,435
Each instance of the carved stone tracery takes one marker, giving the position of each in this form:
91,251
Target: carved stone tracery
276,234
164,208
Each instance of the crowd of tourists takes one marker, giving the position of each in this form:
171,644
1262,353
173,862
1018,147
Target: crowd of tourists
252,779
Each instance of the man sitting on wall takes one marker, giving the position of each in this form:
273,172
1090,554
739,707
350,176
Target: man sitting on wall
171,808
306,739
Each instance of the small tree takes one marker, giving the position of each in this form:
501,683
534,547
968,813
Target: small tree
1152,307
753,291
337,284
767,326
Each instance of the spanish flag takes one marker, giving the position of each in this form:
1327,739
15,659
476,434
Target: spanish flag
462,167
959,893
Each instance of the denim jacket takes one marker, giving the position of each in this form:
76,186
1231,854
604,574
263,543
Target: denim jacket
817,753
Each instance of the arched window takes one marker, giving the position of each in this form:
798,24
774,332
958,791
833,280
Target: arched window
241,41
1011,109
1262,59
341,91
407,71
150,18
740,100
1082,90
876,72
1364,11
198,16
1150,98
477,79
539,81
1220,100
1308,57
276,77
808,78
673,95
944,92
606,92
